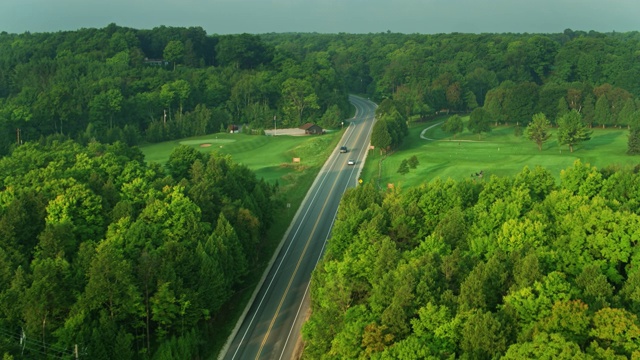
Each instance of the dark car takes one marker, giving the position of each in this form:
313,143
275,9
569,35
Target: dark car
343,149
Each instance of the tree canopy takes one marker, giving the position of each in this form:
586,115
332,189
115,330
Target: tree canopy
119,83
572,130
102,250
514,267
538,130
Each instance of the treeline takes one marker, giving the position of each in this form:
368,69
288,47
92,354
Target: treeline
131,85
119,83
514,268
513,76
105,257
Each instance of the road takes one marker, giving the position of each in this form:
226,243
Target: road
270,326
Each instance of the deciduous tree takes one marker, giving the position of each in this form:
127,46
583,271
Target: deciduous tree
479,122
537,130
453,125
174,52
571,130
299,97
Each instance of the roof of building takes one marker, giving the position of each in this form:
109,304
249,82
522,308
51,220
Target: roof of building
307,126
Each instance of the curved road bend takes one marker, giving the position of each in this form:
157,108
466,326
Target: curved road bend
271,325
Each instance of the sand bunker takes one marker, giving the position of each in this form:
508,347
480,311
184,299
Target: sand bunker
205,145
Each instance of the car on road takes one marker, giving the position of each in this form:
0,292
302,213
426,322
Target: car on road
343,149
351,162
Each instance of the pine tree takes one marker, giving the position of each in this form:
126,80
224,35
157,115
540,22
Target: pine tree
413,162
404,167
634,141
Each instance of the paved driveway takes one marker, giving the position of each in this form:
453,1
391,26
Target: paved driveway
293,131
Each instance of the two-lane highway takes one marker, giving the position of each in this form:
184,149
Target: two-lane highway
270,326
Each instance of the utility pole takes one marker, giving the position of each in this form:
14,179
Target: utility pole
18,135
275,127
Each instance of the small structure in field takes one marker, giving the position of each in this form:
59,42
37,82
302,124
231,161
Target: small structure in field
311,128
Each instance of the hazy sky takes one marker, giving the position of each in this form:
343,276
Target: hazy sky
325,16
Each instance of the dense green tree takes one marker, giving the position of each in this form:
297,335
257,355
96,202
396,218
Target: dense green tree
480,81
588,110
453,125
413,162
602,112
562,108
481,336
403,169
174,52
110,286
546,346
633,144
519,102
244,51
479,122
627,114
514,271
380,137
571,130
300,98
181,159
113,248
537,130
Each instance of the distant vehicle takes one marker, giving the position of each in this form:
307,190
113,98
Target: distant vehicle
351,162
343,149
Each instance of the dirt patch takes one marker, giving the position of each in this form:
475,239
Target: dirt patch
205,145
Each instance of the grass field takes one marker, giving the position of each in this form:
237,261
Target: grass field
269,157
498,153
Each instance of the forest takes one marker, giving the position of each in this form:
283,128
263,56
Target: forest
100,250
509,268
126,259
119,83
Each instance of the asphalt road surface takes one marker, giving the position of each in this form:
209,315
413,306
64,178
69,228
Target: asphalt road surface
270,326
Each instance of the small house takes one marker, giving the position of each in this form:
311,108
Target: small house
311,128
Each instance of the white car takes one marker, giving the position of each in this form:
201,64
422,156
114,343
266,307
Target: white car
351,162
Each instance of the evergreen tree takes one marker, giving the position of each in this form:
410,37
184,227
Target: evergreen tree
404,167
380,136
413,162
634,141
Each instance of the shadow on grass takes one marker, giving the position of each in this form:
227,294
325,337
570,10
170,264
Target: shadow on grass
598,140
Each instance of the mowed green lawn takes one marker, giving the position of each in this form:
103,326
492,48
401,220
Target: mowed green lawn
269,157
499,153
